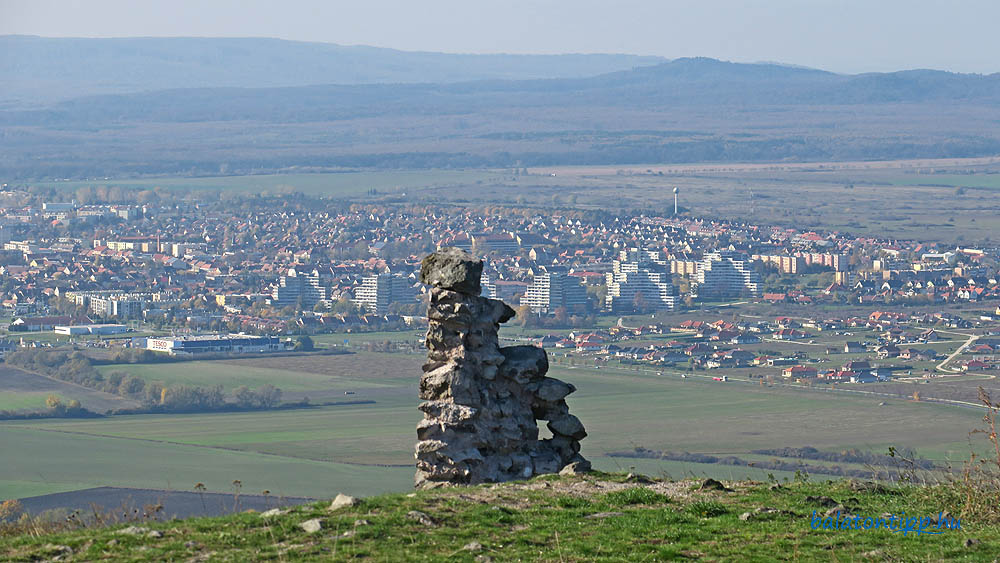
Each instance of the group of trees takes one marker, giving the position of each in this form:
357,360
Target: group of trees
560,318
266,397
54,408
58,408
77,368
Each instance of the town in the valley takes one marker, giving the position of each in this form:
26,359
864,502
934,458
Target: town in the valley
667,293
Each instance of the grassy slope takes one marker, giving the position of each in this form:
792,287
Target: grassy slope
549,519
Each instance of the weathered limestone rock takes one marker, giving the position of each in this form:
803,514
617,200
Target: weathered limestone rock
482,402
454,269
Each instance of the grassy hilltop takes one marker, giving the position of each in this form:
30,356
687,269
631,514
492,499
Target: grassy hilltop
597,516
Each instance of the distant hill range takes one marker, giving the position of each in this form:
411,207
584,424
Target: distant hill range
42,68
693,82
239,105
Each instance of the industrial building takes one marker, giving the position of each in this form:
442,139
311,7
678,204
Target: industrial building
215,343
78,330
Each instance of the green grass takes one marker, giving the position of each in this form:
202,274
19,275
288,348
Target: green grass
33,458
669,413
230,376
549,519
31,400
349,433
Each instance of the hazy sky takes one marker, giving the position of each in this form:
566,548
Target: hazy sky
843,36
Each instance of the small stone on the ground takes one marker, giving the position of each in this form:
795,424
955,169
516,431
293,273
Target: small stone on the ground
821,500
273,512
343,500
133,531
576,468
418,516
473,546
312,526
757,512
604,514
638,478
945,515
839,509
712,485
63,549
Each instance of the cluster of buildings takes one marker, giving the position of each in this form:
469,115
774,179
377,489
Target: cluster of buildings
893,343
257,266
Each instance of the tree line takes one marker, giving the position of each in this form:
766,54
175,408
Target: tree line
76,367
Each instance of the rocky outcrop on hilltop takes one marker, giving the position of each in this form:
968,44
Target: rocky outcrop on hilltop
482,402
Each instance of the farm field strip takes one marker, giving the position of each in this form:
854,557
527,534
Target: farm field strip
361,434
34,400
230,376
79,461
713,416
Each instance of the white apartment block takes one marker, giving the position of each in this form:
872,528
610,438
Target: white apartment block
298,288
110,303
552,290
727,274
627,280
489,289
377,292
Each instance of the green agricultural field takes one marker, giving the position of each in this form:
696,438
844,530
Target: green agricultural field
324,448
30,400
356,338
701,415
341,184
291,374
211,373
37,460
377,433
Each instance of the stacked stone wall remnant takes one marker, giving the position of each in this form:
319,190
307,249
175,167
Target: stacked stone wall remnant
481,402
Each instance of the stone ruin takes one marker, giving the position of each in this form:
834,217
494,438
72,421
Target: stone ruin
482,402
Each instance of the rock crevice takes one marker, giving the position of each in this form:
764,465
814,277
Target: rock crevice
482,402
